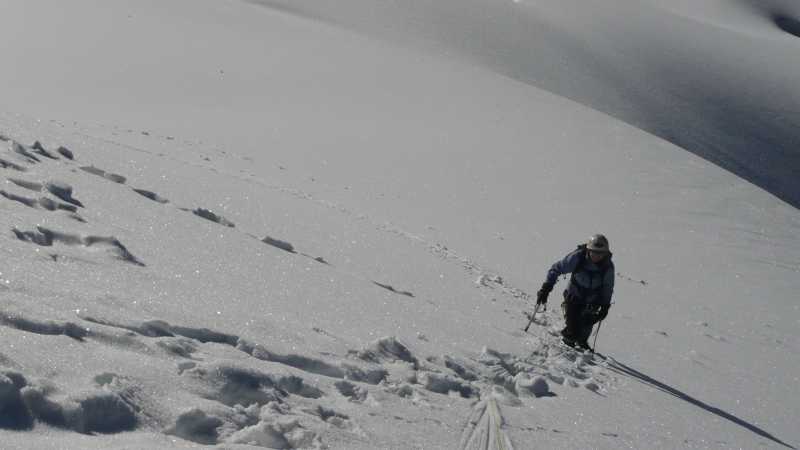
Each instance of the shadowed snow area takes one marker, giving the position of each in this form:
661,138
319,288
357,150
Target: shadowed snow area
788,24
698,82
225,225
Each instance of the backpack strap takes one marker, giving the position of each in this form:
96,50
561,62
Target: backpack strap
582,263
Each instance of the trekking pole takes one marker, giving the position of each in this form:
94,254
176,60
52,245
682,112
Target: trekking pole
594,345
533,316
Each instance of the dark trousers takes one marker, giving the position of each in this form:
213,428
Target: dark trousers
580,319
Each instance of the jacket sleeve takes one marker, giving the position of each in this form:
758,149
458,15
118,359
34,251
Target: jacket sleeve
564,266
608,285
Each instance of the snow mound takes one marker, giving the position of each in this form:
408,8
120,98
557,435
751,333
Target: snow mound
532,386
232,385
386,349
275,425
445,384
99,412
276,429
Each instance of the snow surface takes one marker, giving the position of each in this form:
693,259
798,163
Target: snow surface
318,225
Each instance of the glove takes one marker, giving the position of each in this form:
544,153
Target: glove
541,296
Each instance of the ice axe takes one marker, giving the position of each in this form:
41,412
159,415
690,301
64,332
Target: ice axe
533,316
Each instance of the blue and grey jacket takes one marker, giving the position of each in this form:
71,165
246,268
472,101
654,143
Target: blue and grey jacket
590,283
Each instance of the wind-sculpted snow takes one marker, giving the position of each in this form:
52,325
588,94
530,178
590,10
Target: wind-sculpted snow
213,217
352,391
283,245
194,425
151,195
66,153
444,384
516,376
372,375
391,288
256,402
502,377
99,412
260,413
94,411
461,368
47,238
47,327
232,385
29,202
24,152
160,328
29,185
280,426
63,191
116,178
39,149
41,202
28,154
13,413
6,164
386,349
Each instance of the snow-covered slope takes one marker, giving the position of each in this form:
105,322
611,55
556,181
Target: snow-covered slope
339,234
715,77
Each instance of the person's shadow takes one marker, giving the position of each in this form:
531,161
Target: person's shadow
628,371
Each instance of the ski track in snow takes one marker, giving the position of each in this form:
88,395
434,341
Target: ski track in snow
263,407
484,431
